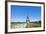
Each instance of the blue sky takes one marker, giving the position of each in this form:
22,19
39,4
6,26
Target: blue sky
19,13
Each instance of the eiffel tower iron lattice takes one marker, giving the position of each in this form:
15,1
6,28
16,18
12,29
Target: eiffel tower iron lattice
27,18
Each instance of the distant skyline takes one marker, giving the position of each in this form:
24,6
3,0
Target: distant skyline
19,13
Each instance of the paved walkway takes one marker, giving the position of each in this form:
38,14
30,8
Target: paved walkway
21,25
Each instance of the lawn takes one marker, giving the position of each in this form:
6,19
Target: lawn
29,25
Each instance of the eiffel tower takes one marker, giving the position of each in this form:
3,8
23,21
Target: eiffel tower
27,18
